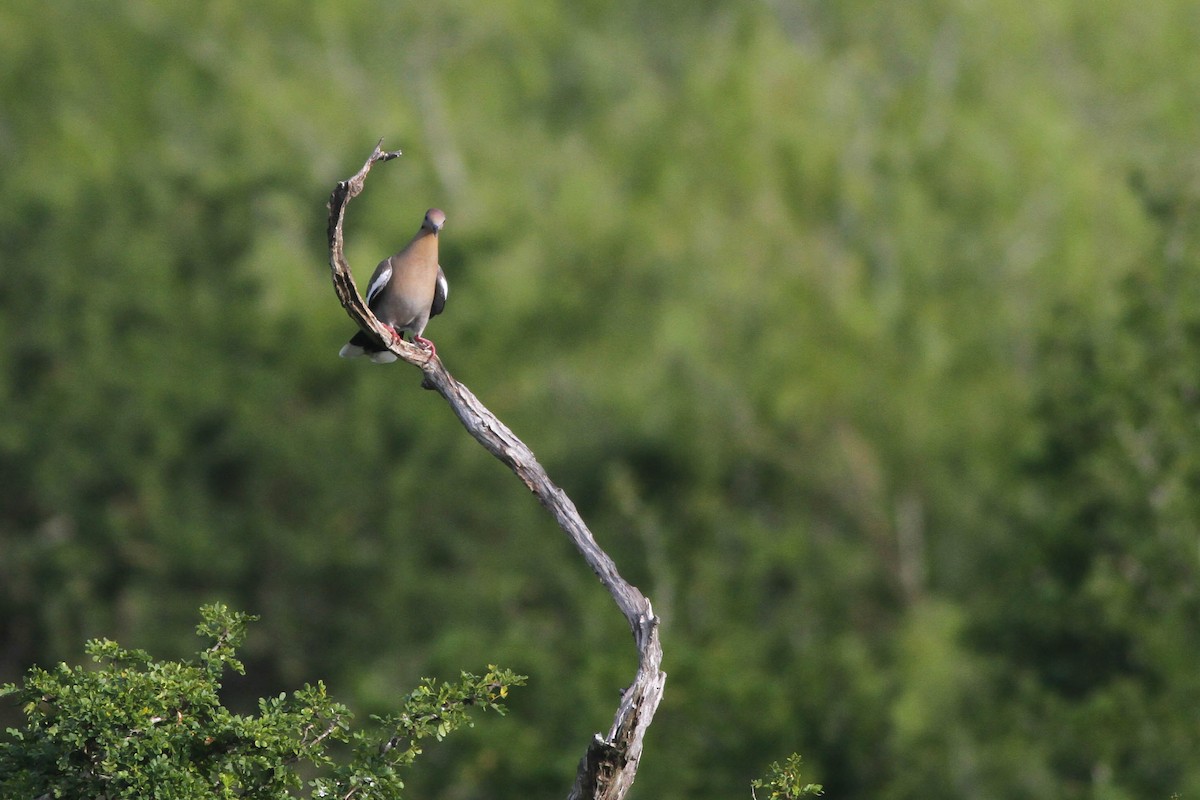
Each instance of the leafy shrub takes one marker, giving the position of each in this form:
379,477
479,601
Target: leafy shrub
142,728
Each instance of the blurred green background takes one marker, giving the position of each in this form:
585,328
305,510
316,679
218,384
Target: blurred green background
865,335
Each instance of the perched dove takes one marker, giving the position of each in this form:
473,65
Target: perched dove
406,290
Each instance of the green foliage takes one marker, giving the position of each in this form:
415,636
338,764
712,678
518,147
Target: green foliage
138,728
784,782
863,334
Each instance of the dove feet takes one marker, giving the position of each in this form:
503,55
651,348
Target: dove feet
425,343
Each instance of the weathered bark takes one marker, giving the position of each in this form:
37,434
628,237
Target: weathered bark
607,769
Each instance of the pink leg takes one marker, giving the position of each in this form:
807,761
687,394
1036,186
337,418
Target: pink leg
428,345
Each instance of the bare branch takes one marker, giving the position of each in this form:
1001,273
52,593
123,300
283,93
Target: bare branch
609,765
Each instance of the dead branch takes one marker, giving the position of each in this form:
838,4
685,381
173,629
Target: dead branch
609,765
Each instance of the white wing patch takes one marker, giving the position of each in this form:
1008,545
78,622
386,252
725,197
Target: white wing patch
440,290
381,280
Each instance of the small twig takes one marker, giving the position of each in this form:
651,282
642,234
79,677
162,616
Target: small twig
329,729
610,763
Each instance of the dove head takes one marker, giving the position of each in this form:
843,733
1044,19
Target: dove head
434,220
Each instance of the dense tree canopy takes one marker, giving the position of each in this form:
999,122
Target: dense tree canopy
865,335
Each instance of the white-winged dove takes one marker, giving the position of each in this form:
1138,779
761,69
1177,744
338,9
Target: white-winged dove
406,290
